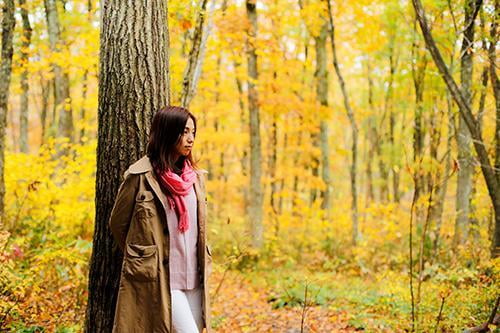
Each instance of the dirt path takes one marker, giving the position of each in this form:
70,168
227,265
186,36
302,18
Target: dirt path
240,307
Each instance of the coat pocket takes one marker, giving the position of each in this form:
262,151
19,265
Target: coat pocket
141,262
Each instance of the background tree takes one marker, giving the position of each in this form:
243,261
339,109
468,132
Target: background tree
62,100
255,199
8,24
25,52
465,172
196,54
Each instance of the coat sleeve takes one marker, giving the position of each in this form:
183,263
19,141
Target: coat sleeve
121,214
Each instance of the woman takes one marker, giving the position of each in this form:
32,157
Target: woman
159,222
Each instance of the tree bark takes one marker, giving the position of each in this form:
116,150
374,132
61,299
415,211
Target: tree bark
195,58
354,131
133,85
62,100
8,24
371,139
393,62
25,45
45,86
495,84
256,196
418,67
321,76
437,208
490,174
465,158
85,83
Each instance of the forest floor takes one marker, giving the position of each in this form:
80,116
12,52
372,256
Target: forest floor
270,299
241,306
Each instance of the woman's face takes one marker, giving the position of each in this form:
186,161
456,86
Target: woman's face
186,141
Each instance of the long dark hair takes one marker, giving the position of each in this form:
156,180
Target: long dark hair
166,130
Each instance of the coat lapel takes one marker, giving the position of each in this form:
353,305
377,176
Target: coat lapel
156,188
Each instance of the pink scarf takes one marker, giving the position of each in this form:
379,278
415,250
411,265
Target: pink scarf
178,187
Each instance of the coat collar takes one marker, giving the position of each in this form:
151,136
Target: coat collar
144,165
140,166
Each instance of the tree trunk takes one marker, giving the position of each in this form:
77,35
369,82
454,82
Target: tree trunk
474,234
255,202
491,175
418,76
393,62
354,131
371,139
8,23
272,162
273,142
62,100
465,158
495,85
85,83
45,86
321,76
495,249
25,45
195,58
437,208
133,85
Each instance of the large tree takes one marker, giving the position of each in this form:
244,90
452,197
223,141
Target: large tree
133,85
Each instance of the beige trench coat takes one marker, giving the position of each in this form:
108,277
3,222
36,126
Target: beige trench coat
138,224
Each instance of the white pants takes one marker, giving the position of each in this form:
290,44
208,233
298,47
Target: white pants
187,311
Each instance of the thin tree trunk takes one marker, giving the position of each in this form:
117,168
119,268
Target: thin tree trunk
256,196
465,158
272,162
321,76
195,58
8,24
436,205
354,131
272,166
85,83
491,175
393,62
495,249
418,75
133,85
62,100
25,45
45,86
437,208
495,85
371,139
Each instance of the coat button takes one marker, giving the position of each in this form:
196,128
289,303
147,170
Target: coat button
165,261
